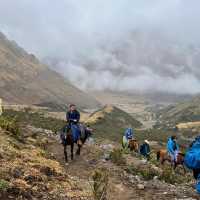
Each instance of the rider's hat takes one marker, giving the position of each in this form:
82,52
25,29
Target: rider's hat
146,141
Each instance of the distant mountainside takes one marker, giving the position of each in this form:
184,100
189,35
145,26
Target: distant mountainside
111,122
24,80
188,111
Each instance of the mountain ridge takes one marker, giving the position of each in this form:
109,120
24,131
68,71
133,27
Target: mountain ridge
24,80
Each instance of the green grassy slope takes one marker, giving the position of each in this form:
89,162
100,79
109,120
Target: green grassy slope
188,111
110,123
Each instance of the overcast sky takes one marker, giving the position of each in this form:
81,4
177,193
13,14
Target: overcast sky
74,32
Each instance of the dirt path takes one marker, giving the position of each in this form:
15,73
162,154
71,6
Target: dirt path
82,167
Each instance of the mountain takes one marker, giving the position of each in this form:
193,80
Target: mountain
24,80
110,122
188,111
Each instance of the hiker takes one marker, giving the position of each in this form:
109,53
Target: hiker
192,160
128,135
173,148
145,149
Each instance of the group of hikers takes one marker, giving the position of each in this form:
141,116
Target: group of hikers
191,158
144,149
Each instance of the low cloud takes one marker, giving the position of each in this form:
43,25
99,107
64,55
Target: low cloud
117,45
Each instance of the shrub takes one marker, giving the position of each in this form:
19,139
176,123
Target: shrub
169,176
10,125
147,173
117,157
3,185
100,183
36,119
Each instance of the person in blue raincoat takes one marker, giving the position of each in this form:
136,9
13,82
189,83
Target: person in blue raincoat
173,148
128,135
192,160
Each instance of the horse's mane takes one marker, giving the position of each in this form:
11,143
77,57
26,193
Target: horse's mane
133,140
182,154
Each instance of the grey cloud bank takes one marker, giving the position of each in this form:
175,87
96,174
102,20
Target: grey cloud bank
112,44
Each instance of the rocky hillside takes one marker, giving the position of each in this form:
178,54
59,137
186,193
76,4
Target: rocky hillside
188,111
110,122
32,164
24,80
29,171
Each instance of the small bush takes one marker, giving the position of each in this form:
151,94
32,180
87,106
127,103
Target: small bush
147,173
10,125
3,185
100,183
117,157
36,119
169,176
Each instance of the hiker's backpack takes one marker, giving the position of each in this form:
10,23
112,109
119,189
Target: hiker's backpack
192,157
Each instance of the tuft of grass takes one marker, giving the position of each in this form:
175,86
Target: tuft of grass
3,185
146,173
36,119
100,183
170,176
117,157
11,125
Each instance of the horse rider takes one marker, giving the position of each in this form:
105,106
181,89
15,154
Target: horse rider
128,135
73,115
173,148
73,118
145,149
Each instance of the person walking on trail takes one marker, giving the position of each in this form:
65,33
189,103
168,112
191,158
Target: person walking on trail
173,148
192,160
128,135
145,149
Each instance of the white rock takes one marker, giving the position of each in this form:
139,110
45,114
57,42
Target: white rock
140,186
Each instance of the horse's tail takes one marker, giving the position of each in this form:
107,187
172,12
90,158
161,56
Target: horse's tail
158,155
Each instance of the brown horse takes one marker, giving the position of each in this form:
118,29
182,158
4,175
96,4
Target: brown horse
133,145
162,156
67,140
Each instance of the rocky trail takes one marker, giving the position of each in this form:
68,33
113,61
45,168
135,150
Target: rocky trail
122,184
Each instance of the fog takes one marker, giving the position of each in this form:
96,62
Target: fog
118,45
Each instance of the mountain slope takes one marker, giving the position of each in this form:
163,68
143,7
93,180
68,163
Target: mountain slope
188,111
24,80
110,122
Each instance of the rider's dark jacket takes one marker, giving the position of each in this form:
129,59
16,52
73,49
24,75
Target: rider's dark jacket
73,117
145,149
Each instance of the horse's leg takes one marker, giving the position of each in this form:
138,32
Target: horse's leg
65,153
162,161
72,151
78,152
